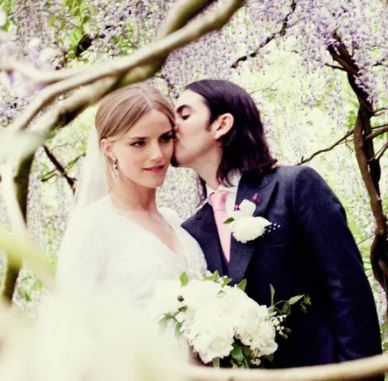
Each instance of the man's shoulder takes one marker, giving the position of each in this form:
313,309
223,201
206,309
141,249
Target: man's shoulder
291,173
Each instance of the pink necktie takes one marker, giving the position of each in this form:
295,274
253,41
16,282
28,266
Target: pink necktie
218,201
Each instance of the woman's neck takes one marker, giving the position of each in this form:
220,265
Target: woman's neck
133,198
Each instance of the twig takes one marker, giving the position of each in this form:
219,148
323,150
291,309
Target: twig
379,154
380,130
282,32
326,149
335,67
48,175
59,167
117,68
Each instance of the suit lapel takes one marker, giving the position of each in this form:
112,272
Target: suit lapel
209,239
241,253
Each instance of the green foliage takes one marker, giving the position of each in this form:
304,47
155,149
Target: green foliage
215,277
184,279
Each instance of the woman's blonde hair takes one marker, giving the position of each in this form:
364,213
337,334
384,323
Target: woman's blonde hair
121,109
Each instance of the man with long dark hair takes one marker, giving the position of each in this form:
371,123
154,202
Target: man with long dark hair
308,248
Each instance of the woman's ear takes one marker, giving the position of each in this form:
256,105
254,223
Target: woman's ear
106,147
224,124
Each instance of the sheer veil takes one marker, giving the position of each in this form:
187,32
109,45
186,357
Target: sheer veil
92,184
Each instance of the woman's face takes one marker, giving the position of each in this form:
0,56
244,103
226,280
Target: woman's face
144,152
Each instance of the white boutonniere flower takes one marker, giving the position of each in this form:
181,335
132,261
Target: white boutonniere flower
243,225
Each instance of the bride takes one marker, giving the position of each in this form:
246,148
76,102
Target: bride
121,242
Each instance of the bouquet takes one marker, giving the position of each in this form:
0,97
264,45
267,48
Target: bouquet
222,325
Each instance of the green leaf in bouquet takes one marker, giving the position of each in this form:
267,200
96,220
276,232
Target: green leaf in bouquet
272,290
225,281
305,303
184,278
182,309
247,351
163,321
242,285
216,362
237,353
286,309
229,220
295,299
178,328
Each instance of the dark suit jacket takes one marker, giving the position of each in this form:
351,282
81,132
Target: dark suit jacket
314,253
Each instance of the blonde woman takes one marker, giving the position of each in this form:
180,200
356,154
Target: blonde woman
119,240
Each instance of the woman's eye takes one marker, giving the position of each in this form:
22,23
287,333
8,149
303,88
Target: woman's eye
138,144
167,138
185,116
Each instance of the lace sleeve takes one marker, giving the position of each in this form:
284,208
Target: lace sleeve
80,257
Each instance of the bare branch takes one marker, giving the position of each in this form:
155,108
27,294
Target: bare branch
379,154
119,67
50,174
303,161
335,67
182,12
59,167
283,30
379,130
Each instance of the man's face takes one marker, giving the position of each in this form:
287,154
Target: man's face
194,135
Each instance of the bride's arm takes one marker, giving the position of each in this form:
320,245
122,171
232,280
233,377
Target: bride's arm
80,257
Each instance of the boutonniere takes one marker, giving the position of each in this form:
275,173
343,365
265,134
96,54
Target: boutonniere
243,225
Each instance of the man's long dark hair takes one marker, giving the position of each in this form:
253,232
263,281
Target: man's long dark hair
244,147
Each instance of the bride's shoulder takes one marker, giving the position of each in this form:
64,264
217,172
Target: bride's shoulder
86,215
171,216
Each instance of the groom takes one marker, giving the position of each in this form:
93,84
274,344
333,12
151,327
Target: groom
308,249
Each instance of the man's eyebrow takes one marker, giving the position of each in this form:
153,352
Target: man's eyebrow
181,107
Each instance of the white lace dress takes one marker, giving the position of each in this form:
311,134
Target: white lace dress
104,251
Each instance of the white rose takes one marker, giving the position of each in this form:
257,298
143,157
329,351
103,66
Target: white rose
246,228
199,292
247,208
210,333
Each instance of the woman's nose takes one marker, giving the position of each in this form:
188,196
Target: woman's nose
156,152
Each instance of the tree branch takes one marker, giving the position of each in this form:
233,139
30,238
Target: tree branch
380,153
303,161
50,174
335,67
282,32
119,67
380,130
59,167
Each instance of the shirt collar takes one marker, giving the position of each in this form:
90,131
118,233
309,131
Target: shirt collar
234,180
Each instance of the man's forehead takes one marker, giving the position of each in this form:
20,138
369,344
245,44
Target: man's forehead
188,99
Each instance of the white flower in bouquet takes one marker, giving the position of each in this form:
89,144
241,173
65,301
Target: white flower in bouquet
243,225
210,332
200,293
222,322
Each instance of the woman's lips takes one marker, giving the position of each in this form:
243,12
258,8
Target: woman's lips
155,169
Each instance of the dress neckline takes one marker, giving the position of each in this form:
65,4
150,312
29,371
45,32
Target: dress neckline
108,203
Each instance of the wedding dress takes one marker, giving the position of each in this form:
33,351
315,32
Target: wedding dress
105,251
